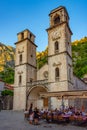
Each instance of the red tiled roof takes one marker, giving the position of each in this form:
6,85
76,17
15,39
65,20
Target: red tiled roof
1,80
8,86
85,79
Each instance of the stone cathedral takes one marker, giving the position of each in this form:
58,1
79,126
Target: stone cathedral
56,75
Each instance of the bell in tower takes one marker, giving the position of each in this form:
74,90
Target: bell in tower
58,16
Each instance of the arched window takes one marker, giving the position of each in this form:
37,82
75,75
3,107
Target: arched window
56,47
20,58
30,35
22,36
57,20
20,79
57,73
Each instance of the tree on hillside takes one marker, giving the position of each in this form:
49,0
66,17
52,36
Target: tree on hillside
79,55
7,54
42,58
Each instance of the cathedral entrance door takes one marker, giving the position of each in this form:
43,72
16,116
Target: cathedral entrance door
45,102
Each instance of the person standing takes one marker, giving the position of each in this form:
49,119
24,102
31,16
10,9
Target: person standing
0,105
36,116
30,109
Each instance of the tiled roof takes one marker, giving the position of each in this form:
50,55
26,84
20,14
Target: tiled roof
8,86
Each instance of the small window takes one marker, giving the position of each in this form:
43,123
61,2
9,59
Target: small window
69,73
20,79
30,35
66,18
31,80
31,55
57,73
20,58
56,47
22,36
57,20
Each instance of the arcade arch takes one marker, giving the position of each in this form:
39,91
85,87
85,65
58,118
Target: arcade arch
34,97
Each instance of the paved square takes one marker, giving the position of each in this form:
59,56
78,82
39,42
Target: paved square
14,120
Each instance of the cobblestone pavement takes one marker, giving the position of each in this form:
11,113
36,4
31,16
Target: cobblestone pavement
14,120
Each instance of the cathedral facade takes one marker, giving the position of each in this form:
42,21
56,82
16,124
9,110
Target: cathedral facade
55,76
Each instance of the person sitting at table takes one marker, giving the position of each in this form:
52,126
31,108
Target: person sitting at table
31,117
41,112
83,113
68,112
77,113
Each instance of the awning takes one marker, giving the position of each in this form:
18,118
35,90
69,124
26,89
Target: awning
72,94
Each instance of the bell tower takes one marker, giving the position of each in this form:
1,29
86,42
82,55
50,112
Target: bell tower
25,67
59,52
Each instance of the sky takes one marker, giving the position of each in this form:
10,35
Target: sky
18,15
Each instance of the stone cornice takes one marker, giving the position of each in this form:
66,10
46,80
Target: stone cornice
26,64
26,30
57,9
60,54
24,40
54,26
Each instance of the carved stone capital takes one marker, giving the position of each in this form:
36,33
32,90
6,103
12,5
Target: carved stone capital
20,72
56,64
21,50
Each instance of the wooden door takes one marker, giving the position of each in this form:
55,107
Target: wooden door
45,103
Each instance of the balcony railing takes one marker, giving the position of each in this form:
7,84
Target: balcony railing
38,82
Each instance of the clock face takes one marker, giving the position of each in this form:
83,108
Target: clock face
55,35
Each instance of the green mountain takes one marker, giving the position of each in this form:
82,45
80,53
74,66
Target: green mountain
7,55
79,57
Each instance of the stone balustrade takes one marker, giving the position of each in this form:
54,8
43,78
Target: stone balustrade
38,82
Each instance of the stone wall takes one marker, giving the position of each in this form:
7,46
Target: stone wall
1,86
79,84
41,72
7,102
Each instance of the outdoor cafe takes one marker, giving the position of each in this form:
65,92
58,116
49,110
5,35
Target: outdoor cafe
78,117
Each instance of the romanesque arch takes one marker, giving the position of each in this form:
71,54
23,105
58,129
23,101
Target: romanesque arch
56,19
34,97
